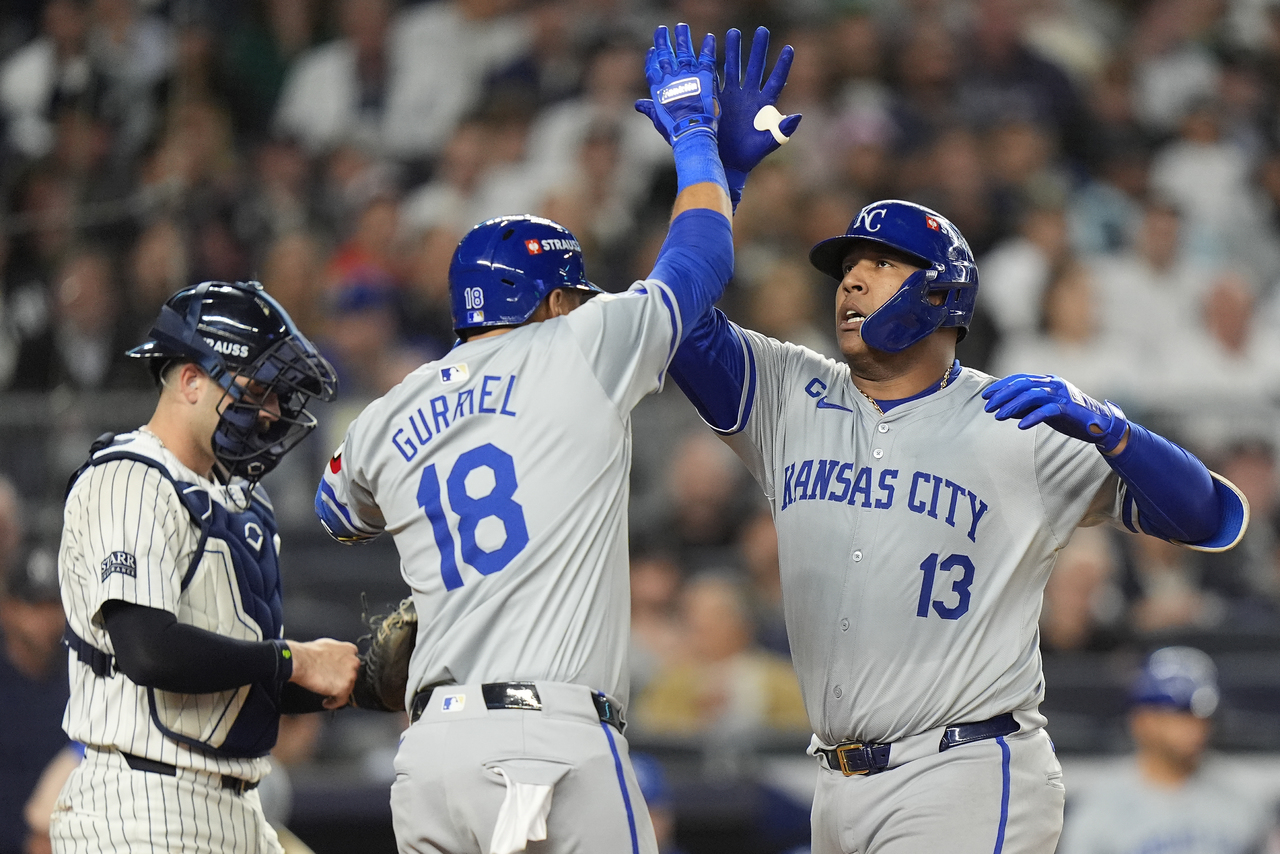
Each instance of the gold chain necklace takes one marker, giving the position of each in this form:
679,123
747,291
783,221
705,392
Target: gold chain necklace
946,378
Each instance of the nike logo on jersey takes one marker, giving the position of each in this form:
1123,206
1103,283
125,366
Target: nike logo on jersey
815,388
930,494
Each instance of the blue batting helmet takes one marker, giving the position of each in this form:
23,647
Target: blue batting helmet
236,330
1177,677
504,267
926,235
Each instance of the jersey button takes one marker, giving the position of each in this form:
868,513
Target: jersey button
844,625
883,428
877,453
838,692
857,556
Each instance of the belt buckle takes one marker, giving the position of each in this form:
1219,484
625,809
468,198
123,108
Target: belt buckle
842,753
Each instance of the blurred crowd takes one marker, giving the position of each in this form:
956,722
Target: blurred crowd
1115,165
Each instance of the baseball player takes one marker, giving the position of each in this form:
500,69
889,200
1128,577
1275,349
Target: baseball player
501,471
1167,799
170,580
917,525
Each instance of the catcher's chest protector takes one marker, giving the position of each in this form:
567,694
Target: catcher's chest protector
249,537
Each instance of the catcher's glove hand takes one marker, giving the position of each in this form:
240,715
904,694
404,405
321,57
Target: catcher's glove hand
384,659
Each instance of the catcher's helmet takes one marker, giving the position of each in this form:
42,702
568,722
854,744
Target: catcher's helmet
236,330
504,267
1177,677
932,239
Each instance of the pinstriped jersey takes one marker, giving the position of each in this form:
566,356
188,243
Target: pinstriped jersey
127,535
914,545
502,471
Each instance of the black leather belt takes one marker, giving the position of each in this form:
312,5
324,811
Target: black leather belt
853,758
139,763
520,695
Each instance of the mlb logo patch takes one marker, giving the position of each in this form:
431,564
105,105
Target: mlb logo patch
335,462
932,223
453,373
121,562
453,702
475,317
534,247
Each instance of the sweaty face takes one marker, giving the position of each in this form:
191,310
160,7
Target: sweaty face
872,274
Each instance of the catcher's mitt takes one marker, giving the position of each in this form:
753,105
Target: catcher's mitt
384,659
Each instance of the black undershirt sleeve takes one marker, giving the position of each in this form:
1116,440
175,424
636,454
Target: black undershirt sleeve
152,648
296,700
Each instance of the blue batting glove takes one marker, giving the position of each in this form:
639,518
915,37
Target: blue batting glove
1037,398
684,87
750,125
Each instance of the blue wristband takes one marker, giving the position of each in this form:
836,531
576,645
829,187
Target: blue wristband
737,181
698,160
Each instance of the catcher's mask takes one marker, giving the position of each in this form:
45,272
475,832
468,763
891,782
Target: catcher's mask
908,316
504,267
246,342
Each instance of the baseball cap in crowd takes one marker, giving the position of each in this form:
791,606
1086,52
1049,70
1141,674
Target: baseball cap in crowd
34,575
1177,677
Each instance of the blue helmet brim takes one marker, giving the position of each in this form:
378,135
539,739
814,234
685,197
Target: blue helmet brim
828,255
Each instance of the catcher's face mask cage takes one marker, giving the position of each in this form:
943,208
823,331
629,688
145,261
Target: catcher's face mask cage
246,342
264,412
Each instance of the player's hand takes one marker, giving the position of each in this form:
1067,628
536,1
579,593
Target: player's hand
327,667
1038,398
684,89
750,125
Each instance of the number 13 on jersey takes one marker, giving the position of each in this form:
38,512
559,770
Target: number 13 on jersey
960,569
498,503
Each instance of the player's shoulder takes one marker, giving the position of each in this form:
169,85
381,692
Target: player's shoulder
790,356
127,464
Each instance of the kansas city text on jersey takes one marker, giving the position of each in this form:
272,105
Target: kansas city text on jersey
928,494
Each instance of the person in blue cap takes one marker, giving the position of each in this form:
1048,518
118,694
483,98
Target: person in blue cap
1169,798
657,795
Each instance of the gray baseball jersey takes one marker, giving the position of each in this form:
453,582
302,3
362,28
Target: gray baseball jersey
914,545
502,473
1212,813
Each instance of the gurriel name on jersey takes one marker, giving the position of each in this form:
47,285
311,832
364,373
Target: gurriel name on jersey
445,410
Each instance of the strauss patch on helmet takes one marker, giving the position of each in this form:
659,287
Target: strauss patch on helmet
228,348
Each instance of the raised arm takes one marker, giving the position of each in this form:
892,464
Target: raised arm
1170,493
713,365
696,260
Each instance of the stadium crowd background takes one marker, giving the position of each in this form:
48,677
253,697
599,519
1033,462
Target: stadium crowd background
1115,165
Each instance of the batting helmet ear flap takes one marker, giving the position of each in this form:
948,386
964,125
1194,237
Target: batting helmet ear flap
906,317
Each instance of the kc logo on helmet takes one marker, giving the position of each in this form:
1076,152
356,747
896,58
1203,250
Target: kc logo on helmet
534,247
869,219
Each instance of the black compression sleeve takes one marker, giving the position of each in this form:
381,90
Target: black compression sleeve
296,700
153,649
